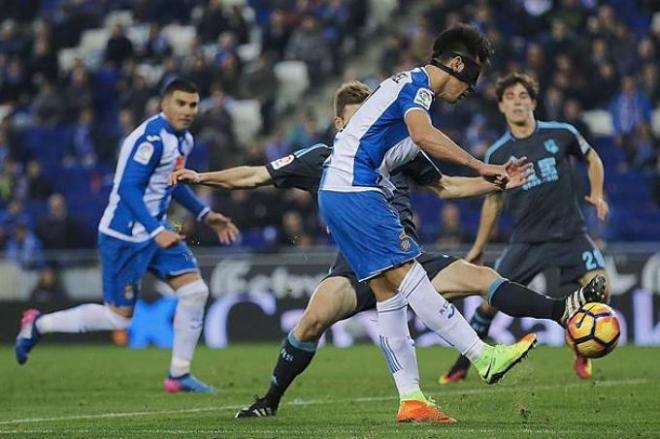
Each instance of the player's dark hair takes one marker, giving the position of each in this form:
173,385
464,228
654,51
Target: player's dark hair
180,84
462,40
349,93
512,79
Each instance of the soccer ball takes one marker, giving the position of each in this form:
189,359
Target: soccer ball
593,331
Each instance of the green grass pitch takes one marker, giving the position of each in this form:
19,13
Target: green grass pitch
105,391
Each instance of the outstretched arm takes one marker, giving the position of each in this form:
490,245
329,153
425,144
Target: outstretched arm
240,177
438,145
463,187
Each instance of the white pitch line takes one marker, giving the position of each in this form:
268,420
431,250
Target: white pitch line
299,402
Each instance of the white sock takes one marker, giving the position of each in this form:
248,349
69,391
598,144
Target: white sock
397,345
439,315
188,322
83,318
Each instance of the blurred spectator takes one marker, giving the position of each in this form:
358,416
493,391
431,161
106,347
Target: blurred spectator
631,115
119,48
201,74
262,85
572,13
12,42
10,181
602,86
650,82
157,46
451,233
275,35
306,132
276,146
48,288
57,230
3,237
83,150
16,84
24,248
214,21
43,60
308,45
14,215
293,231
238,25
78,92
170,72
47,106
4,148
572,113
136,95
38,186
217,128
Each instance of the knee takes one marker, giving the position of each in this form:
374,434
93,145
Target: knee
311,327
194,293
485,276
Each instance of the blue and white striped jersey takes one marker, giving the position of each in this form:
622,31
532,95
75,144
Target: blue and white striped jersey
140,197
378,126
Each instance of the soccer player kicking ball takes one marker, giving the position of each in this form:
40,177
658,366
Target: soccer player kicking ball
135,236
369,233
339,296
548,228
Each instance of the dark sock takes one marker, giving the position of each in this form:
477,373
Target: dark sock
294,358
519,301
480,322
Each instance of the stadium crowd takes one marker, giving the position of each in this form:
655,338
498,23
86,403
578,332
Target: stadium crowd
60,128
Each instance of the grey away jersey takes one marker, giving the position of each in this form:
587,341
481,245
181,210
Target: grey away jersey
546,208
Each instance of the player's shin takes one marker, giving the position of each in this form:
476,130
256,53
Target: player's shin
517,300
188,322
82,318
439,315
398,346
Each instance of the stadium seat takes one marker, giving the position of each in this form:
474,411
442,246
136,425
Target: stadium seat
246,117
180,37
293,80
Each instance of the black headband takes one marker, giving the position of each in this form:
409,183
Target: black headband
468,70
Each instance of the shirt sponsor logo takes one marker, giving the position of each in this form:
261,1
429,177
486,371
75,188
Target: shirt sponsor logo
144,153
280,163
424,97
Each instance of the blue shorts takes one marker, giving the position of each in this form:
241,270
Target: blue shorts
367,231
125,263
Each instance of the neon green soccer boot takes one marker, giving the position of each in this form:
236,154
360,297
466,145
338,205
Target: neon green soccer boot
497,360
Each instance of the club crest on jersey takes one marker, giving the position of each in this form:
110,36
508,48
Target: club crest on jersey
551,146
404,242
282,162
144,153
424,97
129,292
